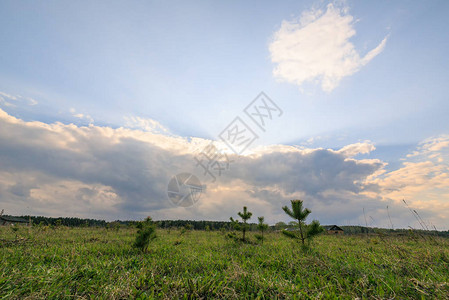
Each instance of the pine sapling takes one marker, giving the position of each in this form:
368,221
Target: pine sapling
145,234
306,232
245,215
262,227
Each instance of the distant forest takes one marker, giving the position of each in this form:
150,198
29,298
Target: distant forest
213,225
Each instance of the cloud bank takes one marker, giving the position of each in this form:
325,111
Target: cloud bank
317,48
99,172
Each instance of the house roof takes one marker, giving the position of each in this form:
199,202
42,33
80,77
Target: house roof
332,227
327,227
13,219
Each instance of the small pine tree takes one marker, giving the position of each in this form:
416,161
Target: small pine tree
235,224
145,234
245,215
262,227
306,232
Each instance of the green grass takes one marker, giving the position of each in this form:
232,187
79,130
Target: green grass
100,263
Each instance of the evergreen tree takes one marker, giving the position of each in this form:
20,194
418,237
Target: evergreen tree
245,215
262,226
145,234
306,232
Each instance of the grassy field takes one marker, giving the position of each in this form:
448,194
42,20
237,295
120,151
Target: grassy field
100,263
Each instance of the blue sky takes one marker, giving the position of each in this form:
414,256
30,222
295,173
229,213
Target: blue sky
346,72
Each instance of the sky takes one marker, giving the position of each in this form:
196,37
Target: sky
103,103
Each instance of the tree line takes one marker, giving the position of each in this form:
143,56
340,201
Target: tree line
210,225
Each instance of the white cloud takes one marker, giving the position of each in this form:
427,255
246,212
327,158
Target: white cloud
317,48
16,98
357,148
6,103
145,124
85,117
88,118
5,95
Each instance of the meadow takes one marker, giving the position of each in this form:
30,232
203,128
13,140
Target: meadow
63,262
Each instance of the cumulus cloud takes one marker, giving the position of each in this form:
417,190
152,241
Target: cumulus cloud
317,48
100,172
128,169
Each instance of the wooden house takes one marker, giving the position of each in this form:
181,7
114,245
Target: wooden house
333,229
